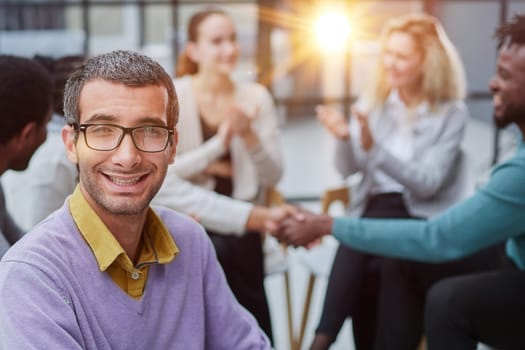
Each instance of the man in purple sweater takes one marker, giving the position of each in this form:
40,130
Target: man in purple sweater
106,271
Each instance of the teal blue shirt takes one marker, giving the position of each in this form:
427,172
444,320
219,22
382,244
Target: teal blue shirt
496,213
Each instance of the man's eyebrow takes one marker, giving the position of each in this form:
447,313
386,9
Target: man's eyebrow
100,118
151,120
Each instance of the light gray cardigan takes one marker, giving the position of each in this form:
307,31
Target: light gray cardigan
188,190
434,179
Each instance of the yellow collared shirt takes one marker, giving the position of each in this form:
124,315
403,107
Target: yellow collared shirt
156,247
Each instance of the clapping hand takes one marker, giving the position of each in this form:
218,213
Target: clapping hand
333,121
241,123
367,140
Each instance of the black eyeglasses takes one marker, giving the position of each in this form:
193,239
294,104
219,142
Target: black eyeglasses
107,137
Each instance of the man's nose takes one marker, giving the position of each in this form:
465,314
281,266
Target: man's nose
127,154
493,84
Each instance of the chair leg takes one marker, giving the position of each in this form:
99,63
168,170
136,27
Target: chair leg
422,344
291,334
306,309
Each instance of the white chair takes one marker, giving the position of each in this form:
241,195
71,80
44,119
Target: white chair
273,198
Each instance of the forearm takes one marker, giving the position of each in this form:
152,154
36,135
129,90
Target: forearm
266,153
267,164
215,212
465,228
345,159
435,159
195,161
423,177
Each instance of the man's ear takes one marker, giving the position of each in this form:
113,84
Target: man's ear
27,131
24,137
69,139
173,150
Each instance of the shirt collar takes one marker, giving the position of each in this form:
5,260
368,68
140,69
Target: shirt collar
157,246
394,99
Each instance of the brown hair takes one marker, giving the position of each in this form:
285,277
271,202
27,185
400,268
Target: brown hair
122,67
185,65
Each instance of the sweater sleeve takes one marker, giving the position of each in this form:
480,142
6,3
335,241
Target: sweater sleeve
349,156
193,162
214,211
267,155
425,177
345,159
34,314
228,324
494,214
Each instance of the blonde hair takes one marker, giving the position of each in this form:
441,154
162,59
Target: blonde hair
443,73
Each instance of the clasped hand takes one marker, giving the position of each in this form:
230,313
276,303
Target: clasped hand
300,228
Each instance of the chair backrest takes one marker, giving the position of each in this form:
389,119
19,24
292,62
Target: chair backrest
333,195
273,197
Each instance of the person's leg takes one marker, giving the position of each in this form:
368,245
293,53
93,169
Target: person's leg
342,294
403,289
242,261
250,278
223,249
484,307
353,282
364,319
400,307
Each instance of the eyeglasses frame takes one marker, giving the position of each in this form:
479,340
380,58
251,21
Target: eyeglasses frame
126,131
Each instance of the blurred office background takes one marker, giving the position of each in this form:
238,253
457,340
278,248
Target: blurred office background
278,43
285,48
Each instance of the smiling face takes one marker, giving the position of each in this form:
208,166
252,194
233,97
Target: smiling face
508,85
216,48
402,61
122,181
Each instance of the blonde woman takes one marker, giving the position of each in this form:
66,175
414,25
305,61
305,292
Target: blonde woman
404,137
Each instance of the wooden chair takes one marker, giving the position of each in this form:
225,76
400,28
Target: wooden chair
330,196
274,198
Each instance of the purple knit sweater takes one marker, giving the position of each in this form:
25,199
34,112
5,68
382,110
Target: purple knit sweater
53,296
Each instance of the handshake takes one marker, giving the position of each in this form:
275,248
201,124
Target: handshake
297,226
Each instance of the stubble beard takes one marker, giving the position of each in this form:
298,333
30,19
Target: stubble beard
123,205
511,114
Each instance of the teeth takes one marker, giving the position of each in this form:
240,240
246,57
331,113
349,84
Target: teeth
122,182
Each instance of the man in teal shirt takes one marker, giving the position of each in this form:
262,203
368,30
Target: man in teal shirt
477,296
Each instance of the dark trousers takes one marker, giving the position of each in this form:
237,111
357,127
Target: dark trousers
485,302
486,307
241,259
352,289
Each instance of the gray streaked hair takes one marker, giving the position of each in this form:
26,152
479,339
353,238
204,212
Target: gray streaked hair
121,67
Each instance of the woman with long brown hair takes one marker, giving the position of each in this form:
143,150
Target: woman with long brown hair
229,144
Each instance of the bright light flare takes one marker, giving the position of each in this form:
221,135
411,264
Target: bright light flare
332,31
